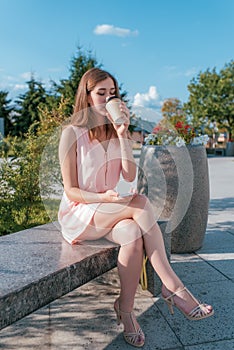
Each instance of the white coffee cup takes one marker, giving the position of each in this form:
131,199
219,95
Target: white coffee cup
112,106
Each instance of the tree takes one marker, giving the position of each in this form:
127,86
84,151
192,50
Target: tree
80,63
20,201
172,110
66,88
212,98
28,107
5,112
21,173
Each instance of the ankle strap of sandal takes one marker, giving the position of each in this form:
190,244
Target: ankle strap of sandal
173,294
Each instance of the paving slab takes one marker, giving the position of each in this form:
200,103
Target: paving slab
85,319
218,251
220,345
191,269
224,263
217,240
215,328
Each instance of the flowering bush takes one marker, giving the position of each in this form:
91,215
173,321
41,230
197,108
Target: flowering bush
179,134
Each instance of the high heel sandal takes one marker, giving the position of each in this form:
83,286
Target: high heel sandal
136,338
198,313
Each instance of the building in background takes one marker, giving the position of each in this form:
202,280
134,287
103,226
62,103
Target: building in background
140,129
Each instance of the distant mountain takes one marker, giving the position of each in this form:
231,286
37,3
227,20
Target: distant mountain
150,114
142,125
144,118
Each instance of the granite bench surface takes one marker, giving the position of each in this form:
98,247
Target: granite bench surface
38,266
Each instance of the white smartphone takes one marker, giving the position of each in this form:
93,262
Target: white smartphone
125,194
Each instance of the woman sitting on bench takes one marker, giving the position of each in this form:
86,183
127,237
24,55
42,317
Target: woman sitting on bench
94,151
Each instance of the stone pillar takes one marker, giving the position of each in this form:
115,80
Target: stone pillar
176,181
229,149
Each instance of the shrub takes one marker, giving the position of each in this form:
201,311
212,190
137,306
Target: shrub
23,176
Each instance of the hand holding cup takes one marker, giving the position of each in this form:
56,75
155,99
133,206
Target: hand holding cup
113,104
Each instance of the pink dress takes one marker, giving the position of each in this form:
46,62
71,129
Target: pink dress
98,171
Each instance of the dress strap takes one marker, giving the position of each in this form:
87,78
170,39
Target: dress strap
79,131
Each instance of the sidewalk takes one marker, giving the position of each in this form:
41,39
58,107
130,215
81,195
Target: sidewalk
84,319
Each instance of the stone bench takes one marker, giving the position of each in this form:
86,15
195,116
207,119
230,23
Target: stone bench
38,266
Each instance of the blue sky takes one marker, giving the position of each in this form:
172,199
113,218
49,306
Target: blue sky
153,47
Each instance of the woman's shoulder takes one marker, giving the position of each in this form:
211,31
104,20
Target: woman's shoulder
71,130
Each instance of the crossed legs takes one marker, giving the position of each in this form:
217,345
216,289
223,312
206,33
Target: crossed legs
133,226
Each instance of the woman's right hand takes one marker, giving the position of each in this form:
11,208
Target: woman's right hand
112,196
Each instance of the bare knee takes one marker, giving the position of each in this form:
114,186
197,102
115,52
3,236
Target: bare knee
141,201
133,237
127,232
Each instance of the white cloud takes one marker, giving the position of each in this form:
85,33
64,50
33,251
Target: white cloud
20,87
26,75
175,72
14,84
54,69
191,72
148,105
107,29
9,78
149,99
170,68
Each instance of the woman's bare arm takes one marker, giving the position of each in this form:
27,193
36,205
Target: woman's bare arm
128,161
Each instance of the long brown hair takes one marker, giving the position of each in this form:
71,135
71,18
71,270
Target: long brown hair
82,114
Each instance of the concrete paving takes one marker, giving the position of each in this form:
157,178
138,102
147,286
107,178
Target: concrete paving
84,319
